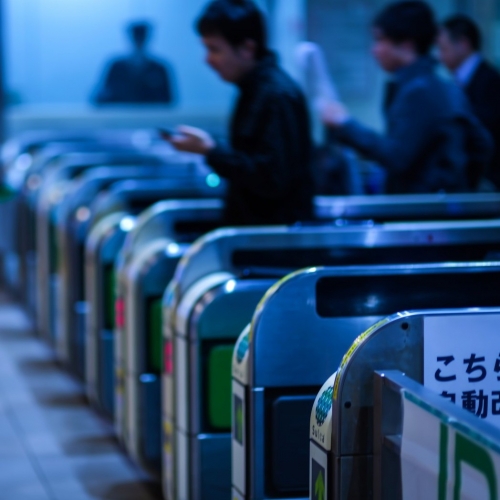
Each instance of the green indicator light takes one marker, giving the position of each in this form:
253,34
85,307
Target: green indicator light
213,180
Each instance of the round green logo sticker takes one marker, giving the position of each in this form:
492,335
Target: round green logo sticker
242,349
324,406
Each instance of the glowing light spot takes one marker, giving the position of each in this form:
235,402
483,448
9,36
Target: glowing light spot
127,224
173,249
230,286
83,214
372,302
213,180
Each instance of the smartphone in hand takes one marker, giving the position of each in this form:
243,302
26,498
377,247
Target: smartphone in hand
166,133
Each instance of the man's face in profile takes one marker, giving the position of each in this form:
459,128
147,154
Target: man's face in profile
229,62
389,54
452,53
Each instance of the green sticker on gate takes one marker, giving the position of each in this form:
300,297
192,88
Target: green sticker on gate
219,386
318,474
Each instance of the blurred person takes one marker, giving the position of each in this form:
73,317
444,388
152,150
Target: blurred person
315,81
136,78
433,140
267,160
336,169
459,45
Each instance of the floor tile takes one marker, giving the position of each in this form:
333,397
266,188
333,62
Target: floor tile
53,446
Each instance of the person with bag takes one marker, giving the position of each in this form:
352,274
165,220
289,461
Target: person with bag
433,141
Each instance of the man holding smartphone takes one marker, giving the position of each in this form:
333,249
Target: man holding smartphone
268,161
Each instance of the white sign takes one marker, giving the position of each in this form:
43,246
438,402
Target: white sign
462,361
441,463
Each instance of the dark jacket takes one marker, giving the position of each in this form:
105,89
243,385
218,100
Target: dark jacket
483,91
433,140
128,82
268,161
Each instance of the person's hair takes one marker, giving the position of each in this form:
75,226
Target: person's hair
140,31
409,21
461,27
236,21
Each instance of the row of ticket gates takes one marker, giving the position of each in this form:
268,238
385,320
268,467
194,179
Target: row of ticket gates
210,347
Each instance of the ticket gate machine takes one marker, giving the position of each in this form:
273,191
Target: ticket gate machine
144,283
219,260
58,185
73,222
170,222
118,208
105,240
353,454
27,152
157,227
55,177
303,327
19,152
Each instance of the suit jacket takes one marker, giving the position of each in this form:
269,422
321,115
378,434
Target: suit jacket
432,136
483,91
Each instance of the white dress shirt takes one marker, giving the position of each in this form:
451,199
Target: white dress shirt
465,72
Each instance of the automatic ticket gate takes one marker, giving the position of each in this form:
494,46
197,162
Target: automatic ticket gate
70,214
363,441
57,186
209,321
144,283
72,233
105,240
73,220
19,152
168,221
298,336
29,153
59,180
168,227
32,179
409,207
219,260
114,216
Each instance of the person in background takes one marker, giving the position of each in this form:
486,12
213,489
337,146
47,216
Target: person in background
336,169
315,81
267,162
432,139
137,78
459,45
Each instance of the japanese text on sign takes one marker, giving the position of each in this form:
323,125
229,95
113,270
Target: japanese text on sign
462,361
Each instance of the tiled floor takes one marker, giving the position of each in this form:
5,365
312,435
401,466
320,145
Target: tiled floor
52,445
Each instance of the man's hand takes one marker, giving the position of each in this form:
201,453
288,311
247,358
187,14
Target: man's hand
335,114
192,140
